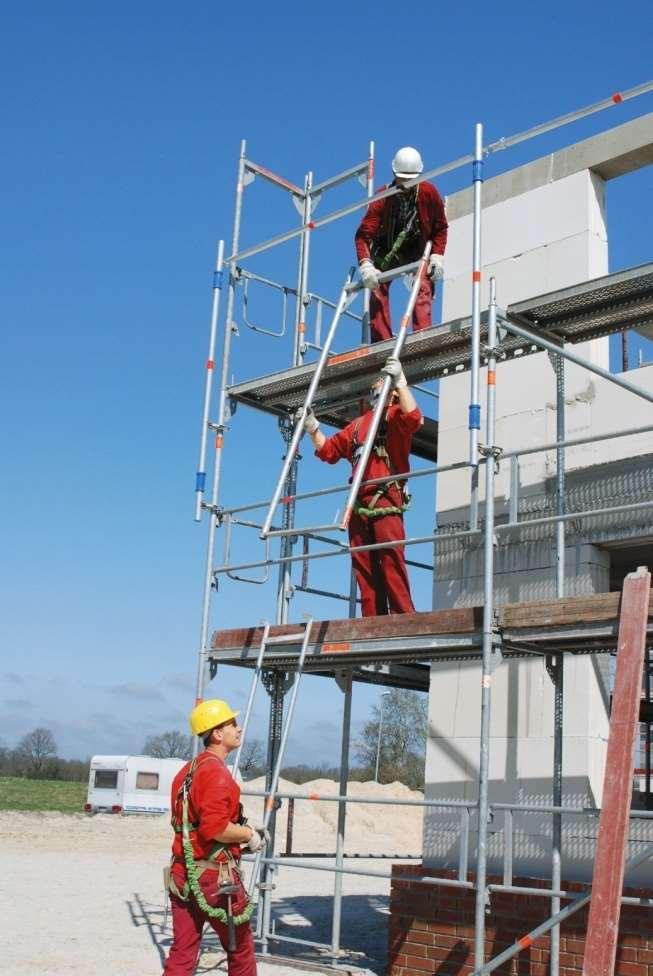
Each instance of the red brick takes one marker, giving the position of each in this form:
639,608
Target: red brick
399,960
465,930
444,928
414,949
539,969
446,901
424,965
626,953
448,915
630,969
438,953
575,945
446,941
422,938
645,955
419,923
568,959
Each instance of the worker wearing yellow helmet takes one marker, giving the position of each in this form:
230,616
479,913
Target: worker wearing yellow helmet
210,830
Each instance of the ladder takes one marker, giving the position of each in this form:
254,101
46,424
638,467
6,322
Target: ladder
347,294
303,639
609,861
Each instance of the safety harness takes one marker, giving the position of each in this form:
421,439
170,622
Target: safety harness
381,451
407,232
195,867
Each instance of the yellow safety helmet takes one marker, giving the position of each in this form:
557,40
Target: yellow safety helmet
208,714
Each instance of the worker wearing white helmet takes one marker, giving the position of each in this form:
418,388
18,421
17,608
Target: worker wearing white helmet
394,231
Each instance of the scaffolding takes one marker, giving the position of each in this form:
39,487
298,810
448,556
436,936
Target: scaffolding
395,651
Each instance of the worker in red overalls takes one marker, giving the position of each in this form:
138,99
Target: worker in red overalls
379,513
395,231
205,879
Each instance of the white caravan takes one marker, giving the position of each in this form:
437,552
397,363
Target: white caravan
130,784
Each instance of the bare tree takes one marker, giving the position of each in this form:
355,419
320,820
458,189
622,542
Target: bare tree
169,745
402,740
35,751
252,758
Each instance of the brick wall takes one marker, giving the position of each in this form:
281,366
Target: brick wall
431,929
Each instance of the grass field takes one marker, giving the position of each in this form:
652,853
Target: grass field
41,794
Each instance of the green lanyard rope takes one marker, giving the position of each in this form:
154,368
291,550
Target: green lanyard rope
193,873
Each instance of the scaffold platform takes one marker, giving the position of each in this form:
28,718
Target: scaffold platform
585,311
577,625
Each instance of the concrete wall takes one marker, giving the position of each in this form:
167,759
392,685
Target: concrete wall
549,237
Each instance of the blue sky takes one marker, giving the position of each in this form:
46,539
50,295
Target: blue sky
121,133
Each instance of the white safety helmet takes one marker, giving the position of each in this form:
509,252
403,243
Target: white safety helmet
407,163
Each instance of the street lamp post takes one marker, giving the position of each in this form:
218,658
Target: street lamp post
378,741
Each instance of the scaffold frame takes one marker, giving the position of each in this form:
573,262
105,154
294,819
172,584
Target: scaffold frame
485,339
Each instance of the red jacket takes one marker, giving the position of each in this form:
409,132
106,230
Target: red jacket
400,429
213,803
381,217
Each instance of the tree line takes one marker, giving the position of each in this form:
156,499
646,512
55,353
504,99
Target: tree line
35,757
394,738
392,741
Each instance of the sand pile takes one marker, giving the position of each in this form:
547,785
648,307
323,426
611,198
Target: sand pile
385,828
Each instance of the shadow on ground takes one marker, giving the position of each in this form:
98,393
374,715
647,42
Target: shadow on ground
364,929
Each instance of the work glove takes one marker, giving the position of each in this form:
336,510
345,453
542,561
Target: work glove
369,274
311,423
436,267
259,835
393,369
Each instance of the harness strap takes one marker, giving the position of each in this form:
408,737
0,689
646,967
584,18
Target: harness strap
383,263
193,866
370,510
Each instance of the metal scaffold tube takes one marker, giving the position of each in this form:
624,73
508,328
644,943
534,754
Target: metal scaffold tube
200,477
250,699
385,391
474,419
558,664
219,440
302,275
538,340
488,639
284,591
505,142
279,732
366,335
277,679
299,423
346,683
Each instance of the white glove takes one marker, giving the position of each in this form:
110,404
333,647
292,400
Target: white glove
311,423
369,274
393,369
436,267
259,835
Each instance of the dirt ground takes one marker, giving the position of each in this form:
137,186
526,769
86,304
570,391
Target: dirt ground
84,895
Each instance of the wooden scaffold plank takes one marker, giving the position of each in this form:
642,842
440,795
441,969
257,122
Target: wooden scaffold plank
603,923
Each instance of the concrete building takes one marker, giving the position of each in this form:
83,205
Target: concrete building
544,228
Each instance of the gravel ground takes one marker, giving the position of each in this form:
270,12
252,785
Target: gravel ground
84,895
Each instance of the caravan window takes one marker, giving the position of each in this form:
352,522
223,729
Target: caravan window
147,781
106,779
